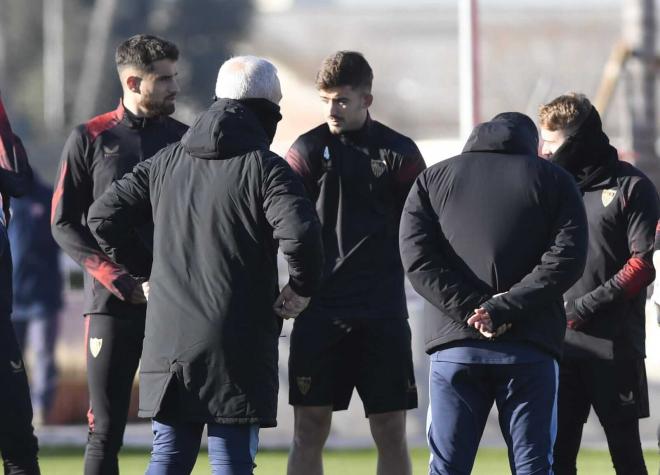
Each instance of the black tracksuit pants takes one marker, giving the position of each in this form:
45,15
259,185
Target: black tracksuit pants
18,444
113,346
617,391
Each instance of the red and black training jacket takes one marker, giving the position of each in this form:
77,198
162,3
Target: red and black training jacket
96,154
15,171
606,306
622,211
15,181
359,181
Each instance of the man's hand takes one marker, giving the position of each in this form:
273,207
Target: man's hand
289,304
137,296
500,331
482,322
128,289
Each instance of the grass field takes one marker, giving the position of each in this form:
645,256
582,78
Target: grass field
345,462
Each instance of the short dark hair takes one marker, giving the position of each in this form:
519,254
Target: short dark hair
345,68
141,51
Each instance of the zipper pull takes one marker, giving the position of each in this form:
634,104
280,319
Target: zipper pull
327,160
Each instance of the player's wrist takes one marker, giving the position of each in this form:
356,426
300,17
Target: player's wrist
300,288
123,286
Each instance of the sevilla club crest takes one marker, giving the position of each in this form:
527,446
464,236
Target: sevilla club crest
304,383
608,196
95,345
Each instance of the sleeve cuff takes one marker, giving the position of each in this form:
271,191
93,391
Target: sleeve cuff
123,286
480,303
496,316
579,310
302,289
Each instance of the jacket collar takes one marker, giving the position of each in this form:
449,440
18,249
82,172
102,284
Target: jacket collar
227,129
132,121
587,154
361,136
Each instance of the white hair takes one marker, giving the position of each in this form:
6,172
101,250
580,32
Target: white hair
248,77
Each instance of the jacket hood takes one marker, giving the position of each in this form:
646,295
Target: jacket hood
509,132
227,129
587,154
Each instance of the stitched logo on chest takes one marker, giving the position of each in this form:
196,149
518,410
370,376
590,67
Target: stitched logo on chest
111,151
608,196
378,168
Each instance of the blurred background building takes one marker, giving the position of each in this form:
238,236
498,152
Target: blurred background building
57,70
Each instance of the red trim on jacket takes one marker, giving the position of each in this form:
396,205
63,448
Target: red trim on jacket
99,124
635,276
409,171
103,271
300,166
59,190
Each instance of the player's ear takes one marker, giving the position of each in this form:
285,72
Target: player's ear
133,83
367,100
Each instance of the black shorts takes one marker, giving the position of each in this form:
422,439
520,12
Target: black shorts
328,358
616,389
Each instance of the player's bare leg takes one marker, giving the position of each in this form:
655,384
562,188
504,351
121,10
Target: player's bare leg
310,431
389,432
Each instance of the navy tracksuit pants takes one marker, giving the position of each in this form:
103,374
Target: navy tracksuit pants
461,396
232,448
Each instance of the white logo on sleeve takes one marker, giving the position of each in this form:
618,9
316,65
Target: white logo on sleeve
95,345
